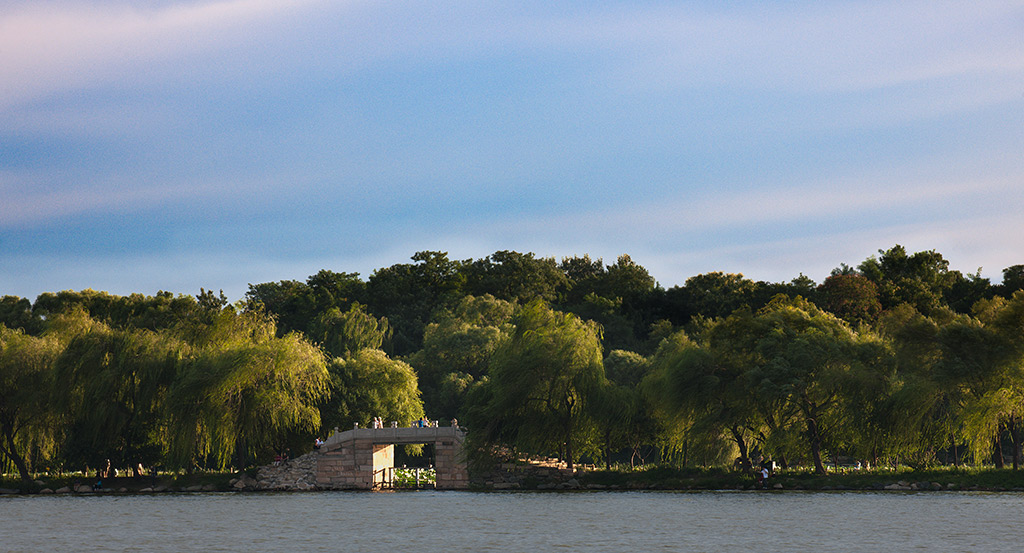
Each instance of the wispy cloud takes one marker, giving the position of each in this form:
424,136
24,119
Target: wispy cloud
52,47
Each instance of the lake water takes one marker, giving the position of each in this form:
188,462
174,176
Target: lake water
520,522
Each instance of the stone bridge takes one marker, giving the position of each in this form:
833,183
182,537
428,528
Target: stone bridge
359,458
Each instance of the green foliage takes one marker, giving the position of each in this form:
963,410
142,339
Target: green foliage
407,294
295,305
164,310
457,349
922,279
853,298
16,314
515,277
342,334
111,385
626,368
189,381
538,398
1013,280
25,374
241,391
368,384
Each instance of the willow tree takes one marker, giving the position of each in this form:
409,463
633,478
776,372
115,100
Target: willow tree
623,416
112,383
343,333
705,388
369,384
541,382
242,390
795,361
25,370
984,359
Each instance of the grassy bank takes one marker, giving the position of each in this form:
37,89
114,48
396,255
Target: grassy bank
945,478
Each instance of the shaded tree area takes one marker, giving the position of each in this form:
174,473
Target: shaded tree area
543,380
898,359
296,305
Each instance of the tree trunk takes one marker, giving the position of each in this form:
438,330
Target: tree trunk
815,439
956,455
11,452
240,453
568,441
742,444
997,453
608,449
1011,425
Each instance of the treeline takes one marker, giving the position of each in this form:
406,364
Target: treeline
898,359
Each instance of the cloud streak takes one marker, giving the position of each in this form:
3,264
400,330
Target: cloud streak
48,48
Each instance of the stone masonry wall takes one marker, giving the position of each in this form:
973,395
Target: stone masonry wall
452,473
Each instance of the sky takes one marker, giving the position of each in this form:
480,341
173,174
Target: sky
151,145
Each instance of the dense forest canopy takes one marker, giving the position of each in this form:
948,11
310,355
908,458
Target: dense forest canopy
897,359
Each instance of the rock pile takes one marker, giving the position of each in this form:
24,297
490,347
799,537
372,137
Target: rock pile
297,474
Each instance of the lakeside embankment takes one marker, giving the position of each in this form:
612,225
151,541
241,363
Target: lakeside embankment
655,478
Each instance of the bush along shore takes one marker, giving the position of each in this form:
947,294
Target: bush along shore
960,479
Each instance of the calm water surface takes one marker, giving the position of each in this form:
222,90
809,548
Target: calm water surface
521,522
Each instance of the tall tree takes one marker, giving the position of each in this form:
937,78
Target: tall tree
368,384
541,382
709,295
704,390
112,383
296,304
243,390
796,358
409,293
984,358
26,365
1013,280
850,297
16,314
516,277
344,333
583,276
916,414
922,279
457,349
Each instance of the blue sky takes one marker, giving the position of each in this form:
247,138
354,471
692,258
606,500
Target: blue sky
172,145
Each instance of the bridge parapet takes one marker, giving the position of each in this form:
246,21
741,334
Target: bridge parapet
397,436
